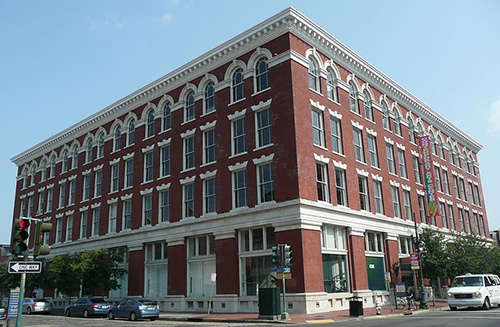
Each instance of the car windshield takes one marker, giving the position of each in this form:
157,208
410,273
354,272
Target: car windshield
98,301
467,281
147,302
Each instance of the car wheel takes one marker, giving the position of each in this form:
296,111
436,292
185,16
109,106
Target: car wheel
28,311
68,313
133,316
486,305
152,319
85,313
111,315
453,308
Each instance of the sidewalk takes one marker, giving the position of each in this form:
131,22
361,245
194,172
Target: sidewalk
368,313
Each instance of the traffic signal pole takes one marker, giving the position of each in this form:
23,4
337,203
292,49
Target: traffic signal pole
21,301
284,314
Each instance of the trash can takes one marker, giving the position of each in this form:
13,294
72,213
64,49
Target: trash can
269,303
355,306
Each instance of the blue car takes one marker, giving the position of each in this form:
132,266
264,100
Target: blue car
135,308
86,307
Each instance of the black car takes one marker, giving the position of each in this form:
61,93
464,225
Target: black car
87,307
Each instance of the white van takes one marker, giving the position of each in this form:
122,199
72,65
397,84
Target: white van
479,290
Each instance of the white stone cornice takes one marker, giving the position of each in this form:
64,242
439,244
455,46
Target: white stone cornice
362,172
41,189
59,215
226,234
237,114
82,209
420,192
98,167
163,187
377,177
148,148
357,125
86,172
371,132
50,186
208,174
339,164
164,142
62,181
126,197
317,105
459,205
449,202
321,158
128,156
31,193
394,183
114,161
238,166
415,153
146,191
388,140
114,200
400,146
262,105
96,205
454,173
208,125
188,133
72,178
335,114
187,180
406,187
69,212
263,159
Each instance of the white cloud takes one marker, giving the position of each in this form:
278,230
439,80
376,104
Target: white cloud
494,116
167,18
113,22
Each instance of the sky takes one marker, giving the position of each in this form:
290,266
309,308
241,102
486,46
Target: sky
62,61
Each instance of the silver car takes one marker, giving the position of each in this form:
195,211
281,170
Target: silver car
31,305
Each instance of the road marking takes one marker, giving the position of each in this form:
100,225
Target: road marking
323,321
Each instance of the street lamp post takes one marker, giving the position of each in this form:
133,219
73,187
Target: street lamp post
423,300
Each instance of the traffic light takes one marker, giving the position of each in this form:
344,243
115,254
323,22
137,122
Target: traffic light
276,256
288,254
19,238
41,228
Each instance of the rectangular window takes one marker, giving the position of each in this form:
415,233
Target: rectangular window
341,187
364,198
129,173
210,201
483,227
468,224
112,217
84,224
372,149
322,182
50,199
264,128
358,144
478,196
188,200
30,205
98,184
189,153
437,175
461,219
127,214
455,187
41,202
147,209
69,228
405,245
462,189
476,223
374,242
379,199
165,205
265,181
96,217
421,208
239,136
209,146
336,133
59,230
446,182
148,167
165,161
407,204
471,193
402,163
240,189
416,170
115,178
62,195
72,192
86,188
452,218
396,204
318,128
389,149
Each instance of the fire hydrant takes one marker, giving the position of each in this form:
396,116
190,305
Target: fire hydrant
378,308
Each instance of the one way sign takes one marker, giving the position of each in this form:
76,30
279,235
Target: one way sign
21,267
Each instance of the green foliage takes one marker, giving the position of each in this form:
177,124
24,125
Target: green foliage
457,256
62,274
8,281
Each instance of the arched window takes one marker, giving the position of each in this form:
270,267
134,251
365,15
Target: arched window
397,124
89,156
237,85
262,75
189,111
385,117
43,171
411,131
32,175
167,117
52,167
150,129
100,148
65,161
131,132
331,87
209,98
313,76
74,159
367,105
353,99
118,138
25,177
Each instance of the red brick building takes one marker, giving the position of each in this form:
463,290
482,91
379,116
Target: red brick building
280,135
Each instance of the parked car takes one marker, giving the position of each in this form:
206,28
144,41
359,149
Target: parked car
134,308
31,305
3,313
87,307
474,291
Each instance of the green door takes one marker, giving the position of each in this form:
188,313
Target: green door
376,277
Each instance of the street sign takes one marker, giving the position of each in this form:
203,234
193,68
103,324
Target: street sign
280,270
13,303
25,267
387,277
414,262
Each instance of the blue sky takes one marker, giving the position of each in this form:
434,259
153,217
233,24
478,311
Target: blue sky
61,61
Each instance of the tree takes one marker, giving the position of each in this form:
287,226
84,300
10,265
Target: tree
8,281
470,254
62,274
435,256
99,270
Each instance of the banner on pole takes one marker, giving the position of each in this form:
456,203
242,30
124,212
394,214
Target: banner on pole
430,181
